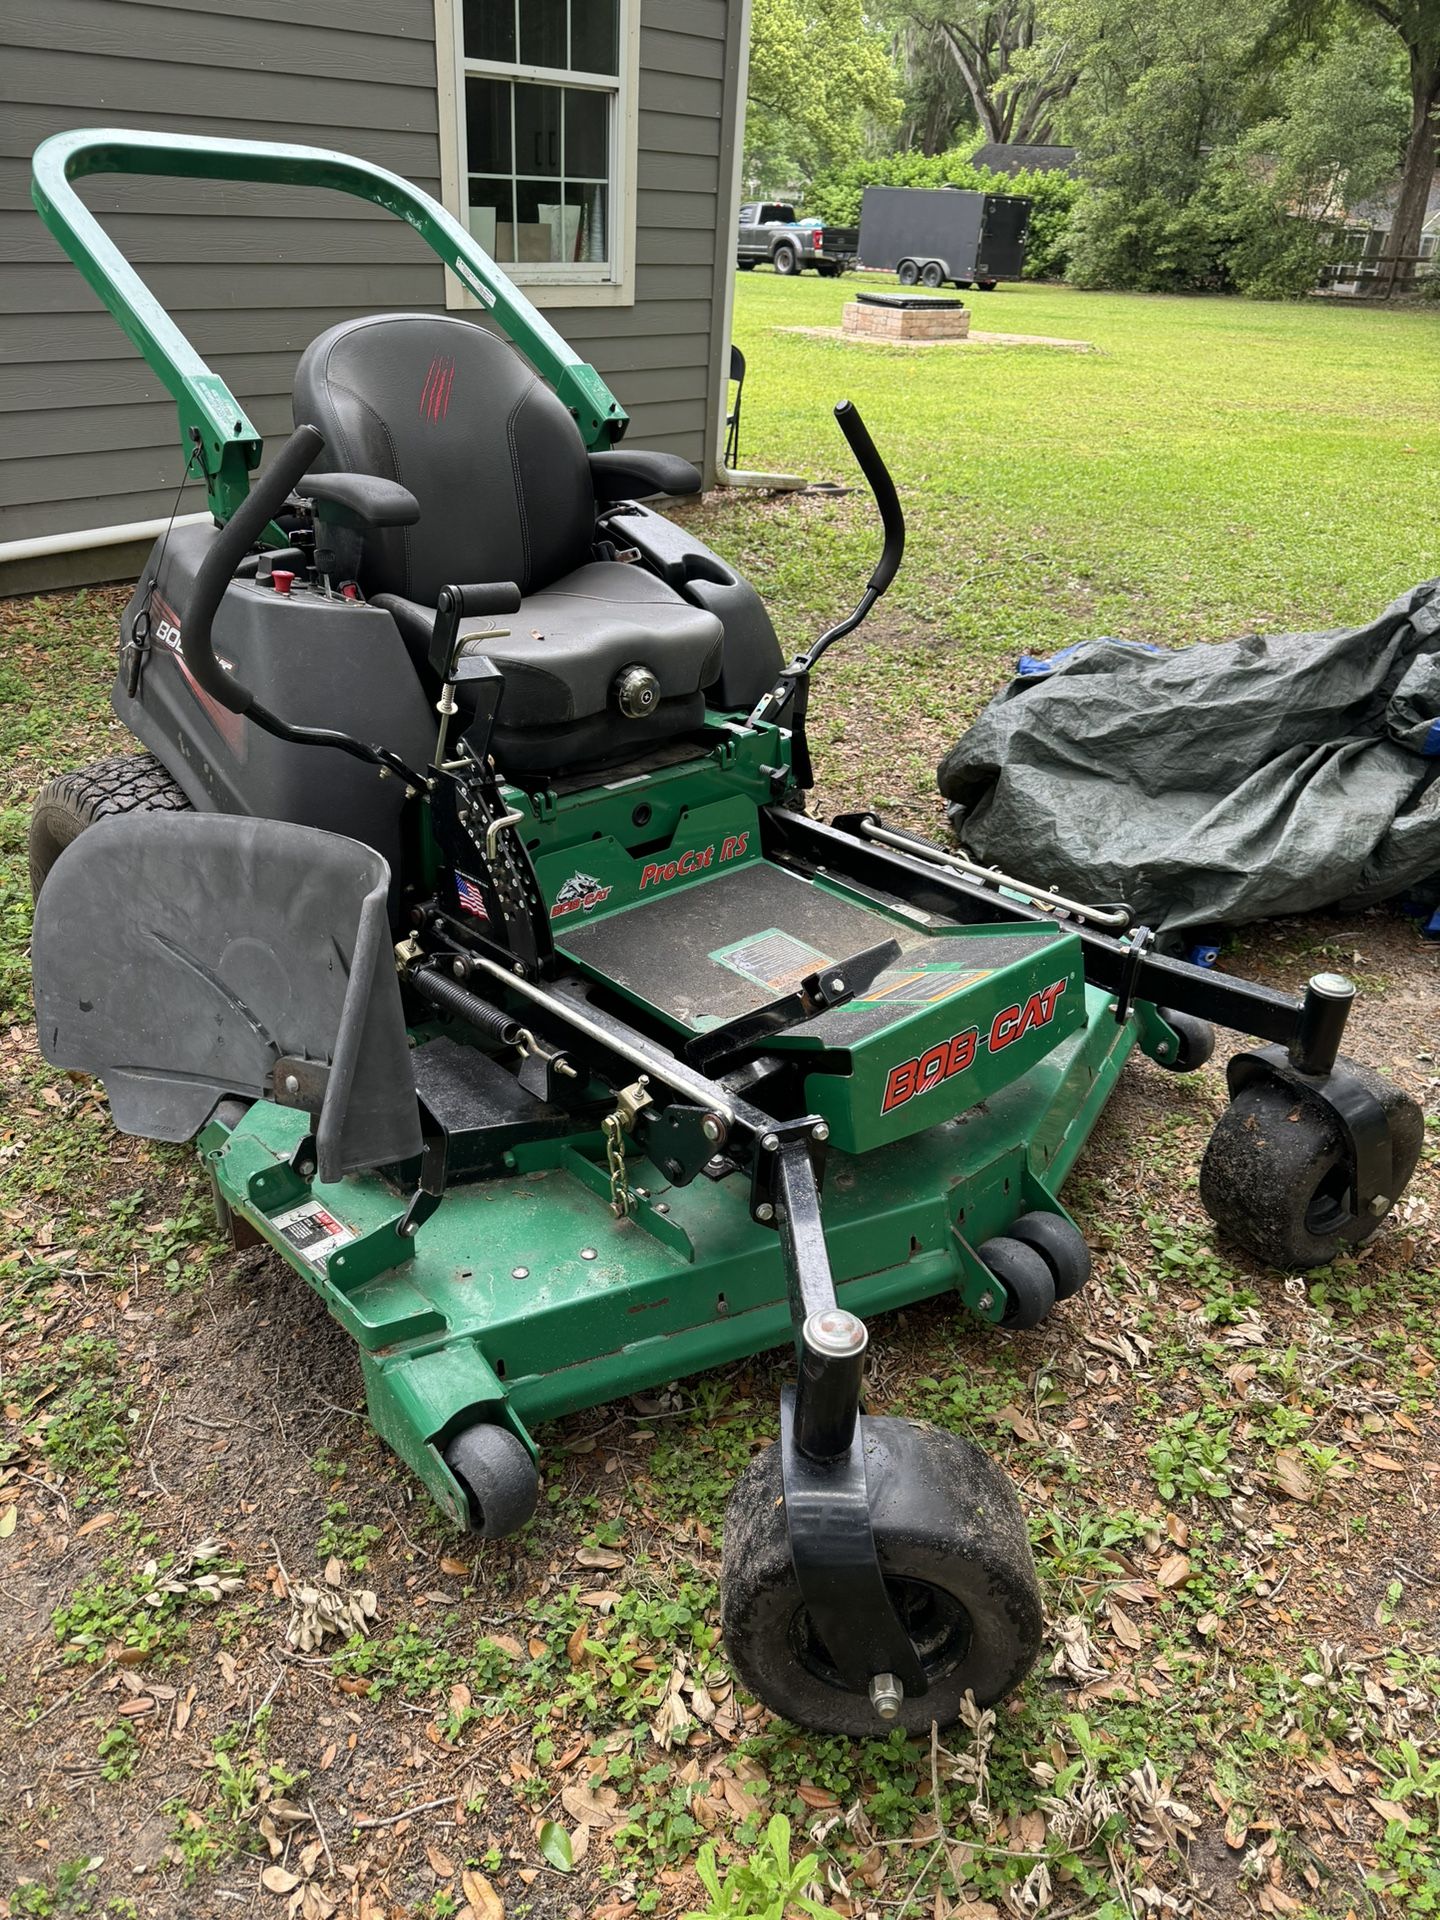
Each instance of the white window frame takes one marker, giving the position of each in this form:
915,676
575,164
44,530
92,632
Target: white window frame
554,283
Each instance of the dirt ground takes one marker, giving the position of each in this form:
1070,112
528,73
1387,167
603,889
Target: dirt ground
1232,1481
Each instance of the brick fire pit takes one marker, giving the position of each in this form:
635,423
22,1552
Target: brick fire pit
907,316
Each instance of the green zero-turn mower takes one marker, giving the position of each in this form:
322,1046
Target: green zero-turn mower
465,907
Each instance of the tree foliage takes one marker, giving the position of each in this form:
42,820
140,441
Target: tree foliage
1015,71
1221,147
821,78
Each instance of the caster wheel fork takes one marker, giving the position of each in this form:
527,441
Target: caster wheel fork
874,1570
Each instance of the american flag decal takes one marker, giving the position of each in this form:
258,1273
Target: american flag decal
471,899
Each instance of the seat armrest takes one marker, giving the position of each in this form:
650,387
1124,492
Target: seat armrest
360,500
633,474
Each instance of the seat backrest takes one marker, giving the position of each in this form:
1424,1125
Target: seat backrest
452,412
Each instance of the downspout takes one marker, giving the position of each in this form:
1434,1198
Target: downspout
729,476
42,545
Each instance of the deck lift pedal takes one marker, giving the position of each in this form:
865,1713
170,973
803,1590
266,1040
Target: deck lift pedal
463,905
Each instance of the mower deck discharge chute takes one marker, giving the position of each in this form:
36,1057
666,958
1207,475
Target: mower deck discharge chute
468,912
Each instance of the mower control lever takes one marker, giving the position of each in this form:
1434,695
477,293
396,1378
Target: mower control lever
791,689
219,567
245,526
877,475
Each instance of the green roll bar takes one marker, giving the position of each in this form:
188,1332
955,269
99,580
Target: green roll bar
210,416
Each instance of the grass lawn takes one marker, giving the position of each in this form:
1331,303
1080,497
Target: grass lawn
1231,1480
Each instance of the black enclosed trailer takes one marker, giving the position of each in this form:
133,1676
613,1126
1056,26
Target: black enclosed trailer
935,234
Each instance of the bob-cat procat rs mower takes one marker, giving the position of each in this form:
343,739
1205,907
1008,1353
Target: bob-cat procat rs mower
465,907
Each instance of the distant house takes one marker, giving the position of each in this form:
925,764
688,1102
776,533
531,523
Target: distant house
1001,157
1374,219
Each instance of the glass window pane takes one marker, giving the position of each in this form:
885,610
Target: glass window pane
542,33
587,128
492,217
594,36
490,29
587,222
537,129
541,225
487,125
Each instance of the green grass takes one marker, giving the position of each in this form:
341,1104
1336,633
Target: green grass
1212,467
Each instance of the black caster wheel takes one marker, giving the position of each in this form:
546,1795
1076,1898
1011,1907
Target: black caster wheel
1197,1041
499,1477
951,1542
1060,1245
1025,1274
1274,1173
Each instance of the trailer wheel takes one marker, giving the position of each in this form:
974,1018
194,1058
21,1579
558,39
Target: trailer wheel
498,1476
907,273
1060,1245
786,260
66,805
1274,1174
932,274
951,1541
987,286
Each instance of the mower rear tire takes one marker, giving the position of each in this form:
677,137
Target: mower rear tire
66,805
951,1541
1060,1245
1275,1172
1024,1274
1196,1037
498,1476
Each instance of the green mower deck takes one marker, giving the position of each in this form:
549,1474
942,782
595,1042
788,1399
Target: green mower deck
525,1298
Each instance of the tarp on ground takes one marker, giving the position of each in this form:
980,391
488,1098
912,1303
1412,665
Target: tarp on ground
1221,783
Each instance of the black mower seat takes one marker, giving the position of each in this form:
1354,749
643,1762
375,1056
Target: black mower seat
503,481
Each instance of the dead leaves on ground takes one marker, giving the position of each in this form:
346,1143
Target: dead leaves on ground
332,1607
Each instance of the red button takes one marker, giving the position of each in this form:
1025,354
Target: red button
281,580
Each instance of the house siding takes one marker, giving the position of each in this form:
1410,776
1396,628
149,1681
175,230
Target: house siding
88,435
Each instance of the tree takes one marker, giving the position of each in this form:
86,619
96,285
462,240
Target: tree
1015,71
1162,84
1417,22
820,76
1330,140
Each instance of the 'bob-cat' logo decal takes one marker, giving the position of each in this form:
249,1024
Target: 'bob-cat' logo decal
942,1062
579,894
695,860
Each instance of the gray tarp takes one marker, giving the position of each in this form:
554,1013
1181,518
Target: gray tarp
1217,784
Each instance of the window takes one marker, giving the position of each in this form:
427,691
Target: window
543,135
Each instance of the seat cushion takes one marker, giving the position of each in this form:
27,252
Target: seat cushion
561,653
